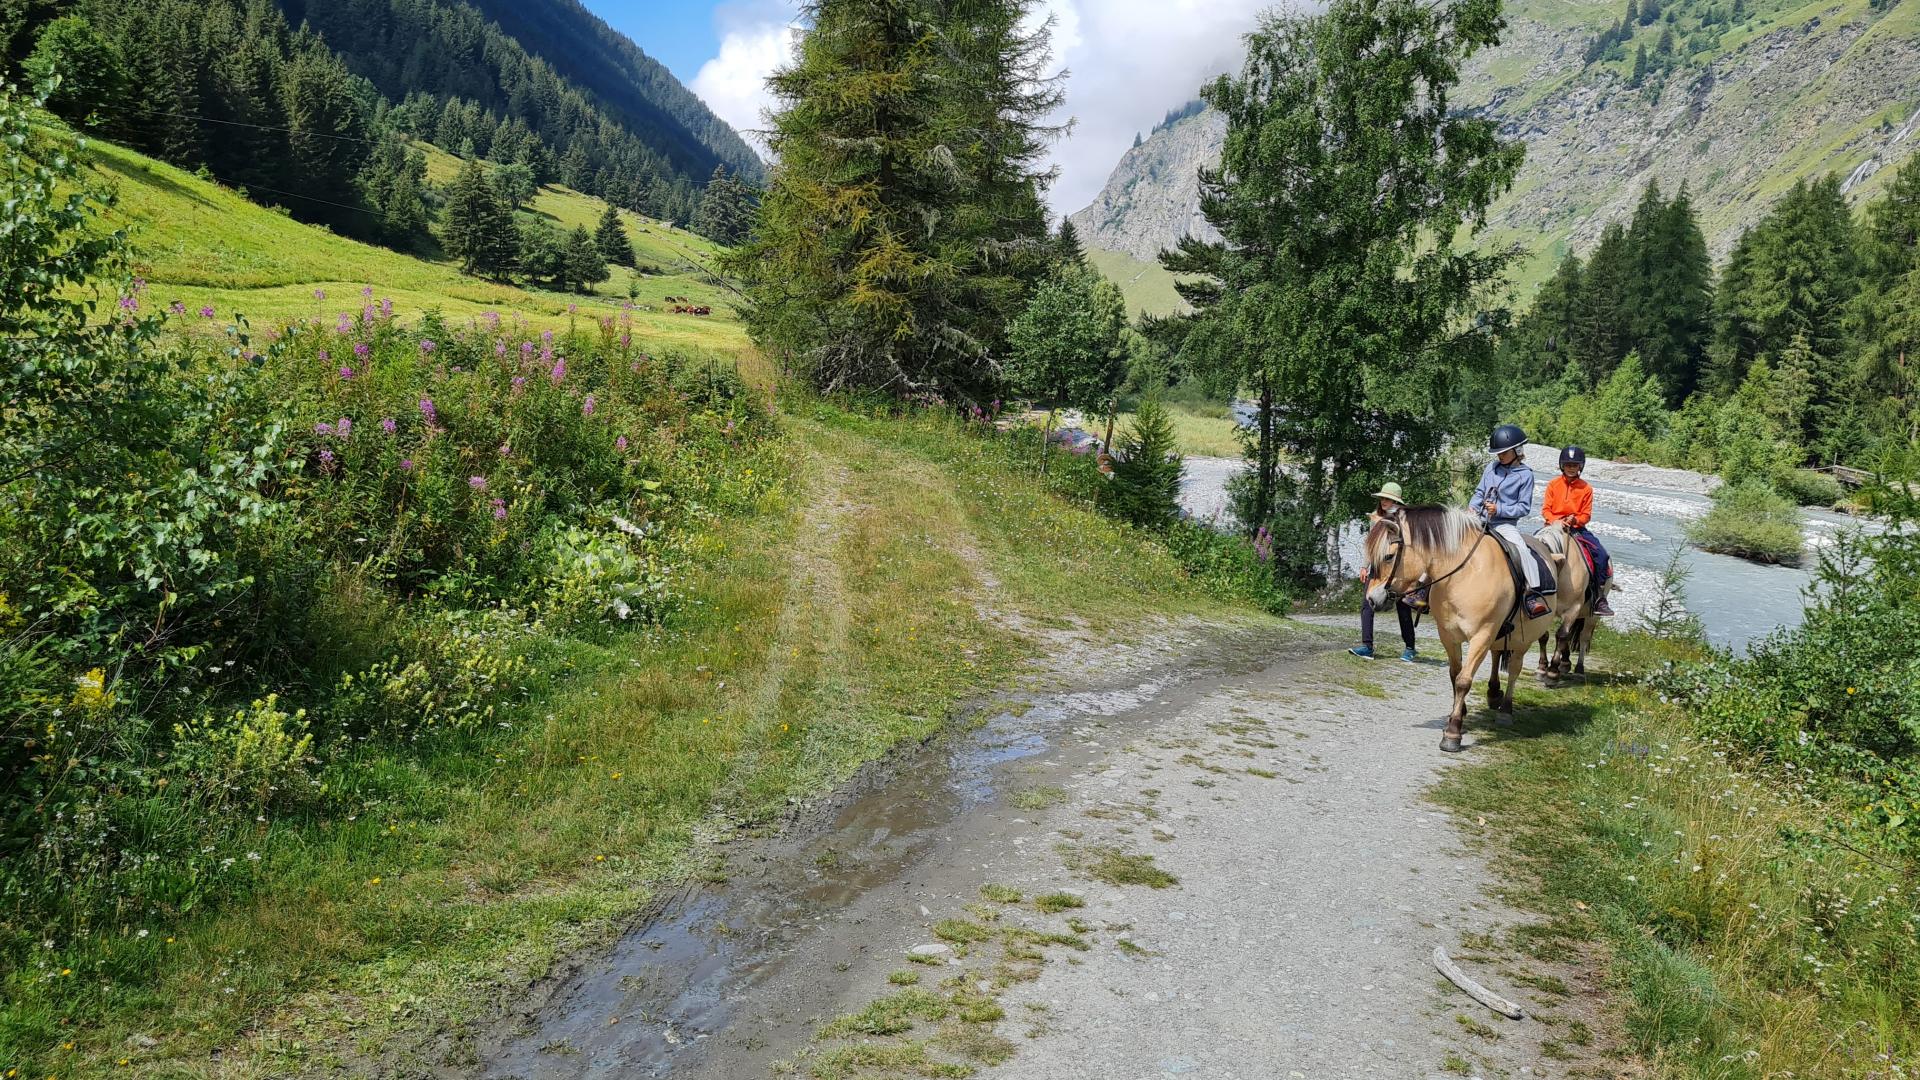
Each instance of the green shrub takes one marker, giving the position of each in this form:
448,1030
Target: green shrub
1227,566
1749,519
1838,697
258,757
1808,488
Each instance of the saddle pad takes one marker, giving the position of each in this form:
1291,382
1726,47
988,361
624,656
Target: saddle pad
1541,554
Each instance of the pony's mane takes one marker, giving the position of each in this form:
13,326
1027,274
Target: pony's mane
1437,530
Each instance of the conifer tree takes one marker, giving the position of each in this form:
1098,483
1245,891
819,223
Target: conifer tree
1885,320
1067,241
1336,293
585,265
1147,469
1601,336
904,223
1669,291
611,238
478,227
1639,65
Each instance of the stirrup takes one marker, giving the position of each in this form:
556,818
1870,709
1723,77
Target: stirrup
1416,600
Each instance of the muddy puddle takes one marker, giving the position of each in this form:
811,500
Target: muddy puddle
722,977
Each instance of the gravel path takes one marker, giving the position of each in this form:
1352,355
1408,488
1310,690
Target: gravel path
1280,781
1298,941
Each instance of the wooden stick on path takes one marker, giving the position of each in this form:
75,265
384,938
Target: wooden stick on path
1479,993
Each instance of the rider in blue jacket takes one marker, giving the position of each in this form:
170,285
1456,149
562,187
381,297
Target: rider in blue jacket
1505,496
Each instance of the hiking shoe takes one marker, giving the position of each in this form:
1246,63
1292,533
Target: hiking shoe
1537,606
1409,656
1364,652
1601,607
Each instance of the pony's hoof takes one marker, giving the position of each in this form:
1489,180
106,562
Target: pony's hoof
1450,743
1579,669
1504,719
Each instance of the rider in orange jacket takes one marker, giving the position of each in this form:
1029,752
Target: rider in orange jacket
1569,502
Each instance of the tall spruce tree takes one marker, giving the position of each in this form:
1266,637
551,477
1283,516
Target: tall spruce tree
478,225
1067,243
1602,336
1669,292
611,238
1795,274
1884,323
904,221
1336,292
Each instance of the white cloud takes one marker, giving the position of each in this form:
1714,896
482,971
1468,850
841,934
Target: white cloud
1129,62
754,43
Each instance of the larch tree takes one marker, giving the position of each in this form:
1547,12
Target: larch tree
903,224
1337,293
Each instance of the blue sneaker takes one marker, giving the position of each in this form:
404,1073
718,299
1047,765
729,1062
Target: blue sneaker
1410,656
1364,652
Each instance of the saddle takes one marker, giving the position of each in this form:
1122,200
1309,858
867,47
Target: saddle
1549,581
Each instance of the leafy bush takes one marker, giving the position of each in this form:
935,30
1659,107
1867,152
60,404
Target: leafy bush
1749,519
1808,488
1838,697
1227,566
259,756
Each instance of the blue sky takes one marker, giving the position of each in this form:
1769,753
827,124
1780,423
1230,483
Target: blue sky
1129,62
679,33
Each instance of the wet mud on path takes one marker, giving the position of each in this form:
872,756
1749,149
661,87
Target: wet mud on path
725,978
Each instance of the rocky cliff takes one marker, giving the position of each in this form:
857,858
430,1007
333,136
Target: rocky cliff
1735,104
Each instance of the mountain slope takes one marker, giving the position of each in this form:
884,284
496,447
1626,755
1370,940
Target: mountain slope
605,62
1735,109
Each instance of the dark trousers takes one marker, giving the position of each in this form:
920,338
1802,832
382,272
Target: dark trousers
1366,623
1602,562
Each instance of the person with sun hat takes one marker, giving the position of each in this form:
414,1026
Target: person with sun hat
1391,503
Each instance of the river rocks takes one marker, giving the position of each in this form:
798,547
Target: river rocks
930,949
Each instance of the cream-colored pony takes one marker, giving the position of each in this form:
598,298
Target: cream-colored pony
1471,594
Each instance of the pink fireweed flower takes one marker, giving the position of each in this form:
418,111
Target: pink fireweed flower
178,307
499,509
427,346
427,410
326,461
139,283
477,483
346,372
559,372
546,336
620,443
206,311
324,356
362,350
323,428
388,425
492,317
386,308
406,464
499,348
319,294
129,302
344,324
366,291
586,407
571,308
519,385
526,349
505,450
366,314
626,340
343,427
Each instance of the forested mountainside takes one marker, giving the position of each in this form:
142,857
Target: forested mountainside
308,104
1736,99
628,82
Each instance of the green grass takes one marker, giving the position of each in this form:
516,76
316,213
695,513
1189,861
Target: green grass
807,650
1117,867
1052,903
1147,286
1746,936
201,243
1200,430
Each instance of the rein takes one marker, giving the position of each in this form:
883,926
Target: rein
1399,541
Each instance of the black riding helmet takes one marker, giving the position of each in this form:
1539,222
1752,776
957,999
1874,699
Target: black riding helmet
1506,437
1574,455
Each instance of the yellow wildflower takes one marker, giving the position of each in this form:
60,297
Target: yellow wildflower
90,691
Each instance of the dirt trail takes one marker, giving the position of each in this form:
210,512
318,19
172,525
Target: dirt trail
1280,783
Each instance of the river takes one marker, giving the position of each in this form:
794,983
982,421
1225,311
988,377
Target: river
1640,514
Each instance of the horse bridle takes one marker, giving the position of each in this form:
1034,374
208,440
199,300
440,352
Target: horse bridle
1399,541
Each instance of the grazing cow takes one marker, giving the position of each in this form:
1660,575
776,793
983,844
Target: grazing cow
703,310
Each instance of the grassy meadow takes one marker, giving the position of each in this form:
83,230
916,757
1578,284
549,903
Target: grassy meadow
200,243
